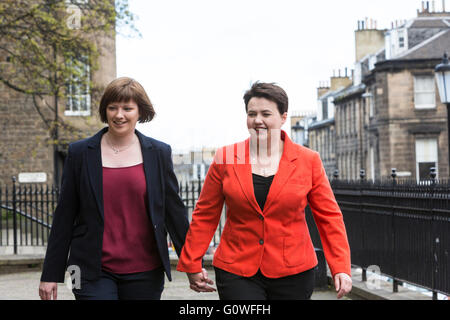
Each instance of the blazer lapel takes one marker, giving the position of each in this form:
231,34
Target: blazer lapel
94,165
152,169
243,170
285,170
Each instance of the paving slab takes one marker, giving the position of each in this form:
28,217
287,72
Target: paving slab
24,286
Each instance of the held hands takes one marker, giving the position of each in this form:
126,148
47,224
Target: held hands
199,281
343,284
47,290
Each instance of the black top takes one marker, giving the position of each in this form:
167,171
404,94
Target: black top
261,185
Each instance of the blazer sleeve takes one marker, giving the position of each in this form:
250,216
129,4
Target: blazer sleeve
55,262
205,219
176,219
329,220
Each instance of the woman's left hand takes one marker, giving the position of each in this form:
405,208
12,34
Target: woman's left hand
343,284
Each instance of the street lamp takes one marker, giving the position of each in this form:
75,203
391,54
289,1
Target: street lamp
298,133
442,72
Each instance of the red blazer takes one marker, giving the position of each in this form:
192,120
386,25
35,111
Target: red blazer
275,240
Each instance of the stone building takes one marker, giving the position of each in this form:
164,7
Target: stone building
322,132
406,125
26,145
391,115
192,165
300,123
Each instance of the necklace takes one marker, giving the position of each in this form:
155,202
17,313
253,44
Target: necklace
117,150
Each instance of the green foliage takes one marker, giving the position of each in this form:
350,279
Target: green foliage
44,44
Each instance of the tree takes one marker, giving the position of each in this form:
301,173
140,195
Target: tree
48,44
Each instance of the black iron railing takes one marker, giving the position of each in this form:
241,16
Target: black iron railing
26,212
401,227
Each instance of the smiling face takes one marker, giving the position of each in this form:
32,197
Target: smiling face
263,117
122,117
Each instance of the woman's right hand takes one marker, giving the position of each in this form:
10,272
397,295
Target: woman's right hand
200,282
47,290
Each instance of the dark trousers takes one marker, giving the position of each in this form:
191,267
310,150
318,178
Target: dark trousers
147,285
258,287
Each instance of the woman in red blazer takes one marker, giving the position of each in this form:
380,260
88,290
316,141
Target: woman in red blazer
266,181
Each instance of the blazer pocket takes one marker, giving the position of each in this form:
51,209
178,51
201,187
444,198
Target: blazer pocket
294,251
229,248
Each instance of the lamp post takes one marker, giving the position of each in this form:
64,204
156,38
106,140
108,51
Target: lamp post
442,72
298,133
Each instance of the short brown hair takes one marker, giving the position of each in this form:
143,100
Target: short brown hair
123,90
269,91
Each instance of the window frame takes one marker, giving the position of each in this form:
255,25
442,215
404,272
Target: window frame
432,93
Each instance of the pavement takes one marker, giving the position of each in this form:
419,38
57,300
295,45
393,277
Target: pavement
24,286
20,275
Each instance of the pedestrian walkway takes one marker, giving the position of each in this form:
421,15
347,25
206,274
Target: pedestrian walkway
20,274
24,286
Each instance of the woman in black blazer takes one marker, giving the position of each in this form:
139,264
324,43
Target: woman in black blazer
119,197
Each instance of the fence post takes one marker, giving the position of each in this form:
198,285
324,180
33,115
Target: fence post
14,214
394,249
433,238
362,175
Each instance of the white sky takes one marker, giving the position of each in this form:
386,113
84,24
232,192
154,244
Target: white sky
196,58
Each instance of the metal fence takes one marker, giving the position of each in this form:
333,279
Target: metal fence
400,226
26,214
190,192
34,204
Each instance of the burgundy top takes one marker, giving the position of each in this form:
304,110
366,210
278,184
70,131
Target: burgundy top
129,243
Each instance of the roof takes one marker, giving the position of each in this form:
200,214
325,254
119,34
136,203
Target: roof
321,124
351,90
430,23
432,48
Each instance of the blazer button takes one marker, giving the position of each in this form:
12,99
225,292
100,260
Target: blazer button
261,217
261,242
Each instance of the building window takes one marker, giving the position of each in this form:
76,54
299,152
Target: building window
78,93
426,157
371,106
424,94
372,163
401,41
325,109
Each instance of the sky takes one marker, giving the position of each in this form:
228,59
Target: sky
197,58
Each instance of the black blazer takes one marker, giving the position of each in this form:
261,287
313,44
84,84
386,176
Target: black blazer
78,220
